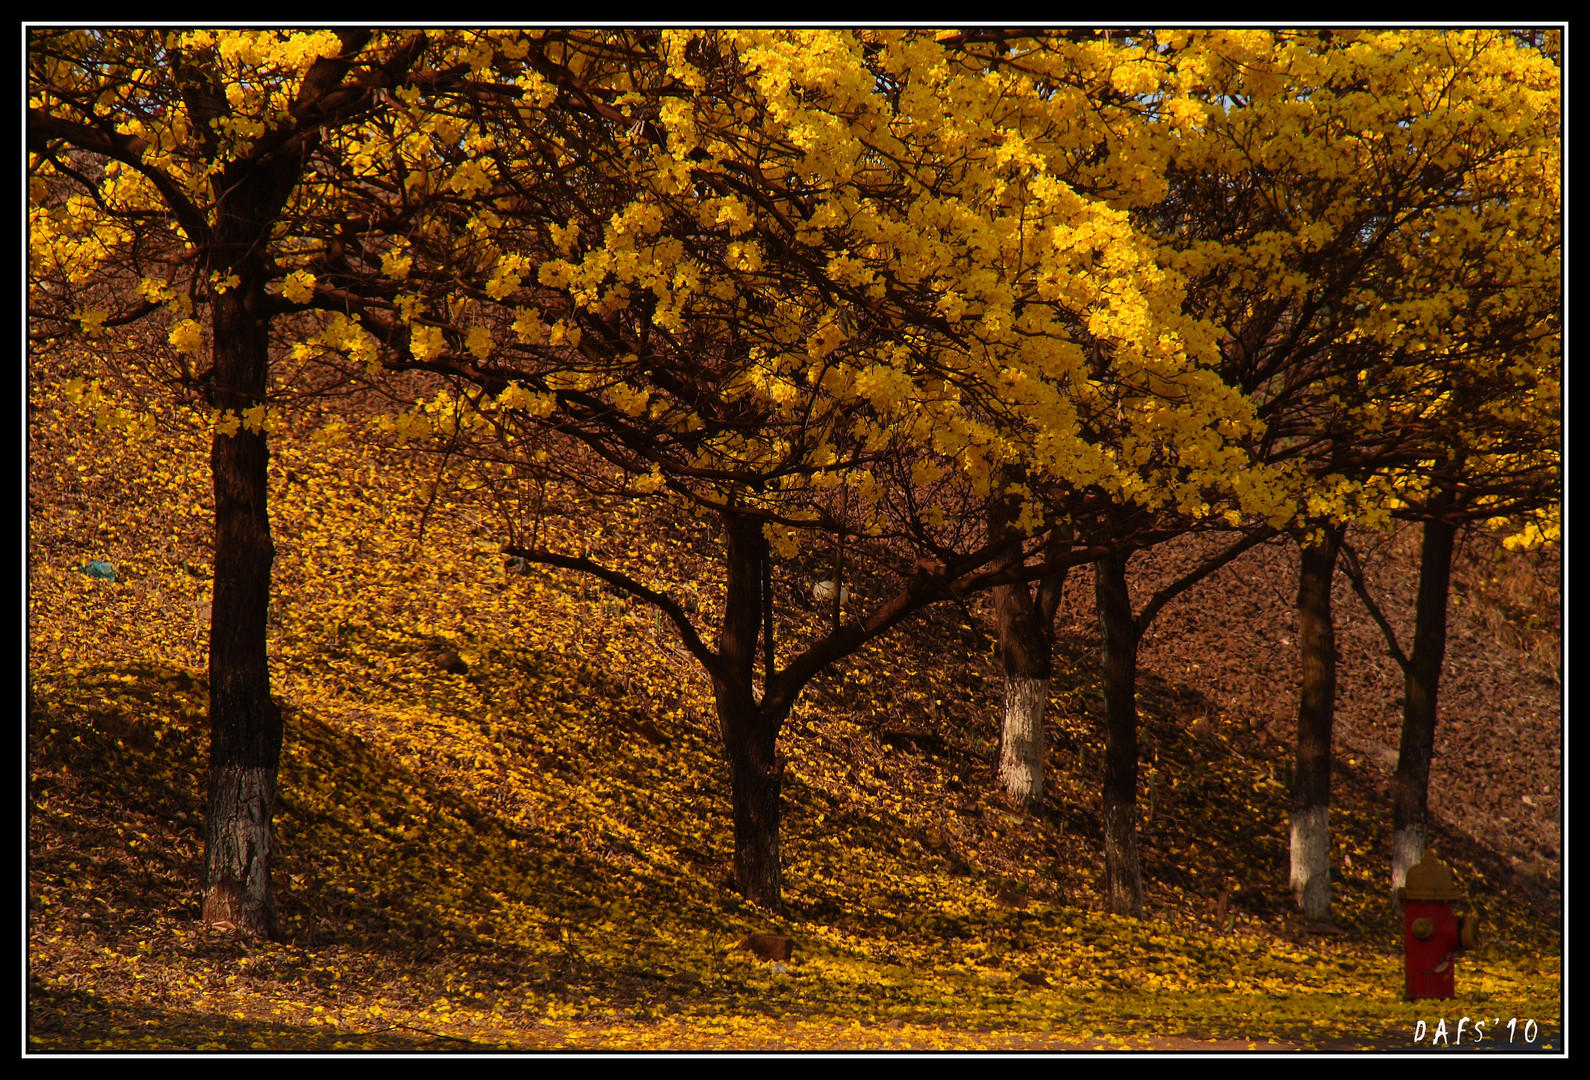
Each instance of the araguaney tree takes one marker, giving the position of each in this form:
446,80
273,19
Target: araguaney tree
207,179
1373,221
812,284
1120,155
1320,190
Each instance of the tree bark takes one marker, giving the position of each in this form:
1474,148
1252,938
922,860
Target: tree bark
1410,785
1123,873
1026,651
245,723
1310,864
750,727
1021,739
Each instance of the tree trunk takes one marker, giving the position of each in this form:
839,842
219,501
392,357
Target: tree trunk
756,781
750,731
245,724
1410,785
1021,741
1025,648
1123,873
1310,876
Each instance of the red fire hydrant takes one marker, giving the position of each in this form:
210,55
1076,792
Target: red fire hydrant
1432,931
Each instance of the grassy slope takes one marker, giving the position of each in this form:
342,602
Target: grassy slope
533,854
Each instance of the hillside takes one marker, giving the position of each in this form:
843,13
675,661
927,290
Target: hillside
533,853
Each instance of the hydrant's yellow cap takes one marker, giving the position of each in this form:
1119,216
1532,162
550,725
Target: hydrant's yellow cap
1430,880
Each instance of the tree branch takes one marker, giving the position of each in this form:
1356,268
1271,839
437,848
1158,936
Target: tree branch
1197,574
667,604
1355,574
922,592
127,149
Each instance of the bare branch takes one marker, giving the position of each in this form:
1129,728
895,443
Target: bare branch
665,603
1355,574
1197,574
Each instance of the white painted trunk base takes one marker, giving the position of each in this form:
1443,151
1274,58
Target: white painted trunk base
1311,861
1407,848
1021,745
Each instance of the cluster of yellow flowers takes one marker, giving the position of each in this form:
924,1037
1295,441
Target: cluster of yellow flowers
1165,267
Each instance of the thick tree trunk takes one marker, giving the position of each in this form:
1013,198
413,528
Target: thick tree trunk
750,731
245,724
1310,876
1024,646
1123,873
756,782
1410,785
1021,741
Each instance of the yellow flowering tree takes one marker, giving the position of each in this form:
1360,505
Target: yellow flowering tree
1372,218
819,284
1324,195
217,183
1195,476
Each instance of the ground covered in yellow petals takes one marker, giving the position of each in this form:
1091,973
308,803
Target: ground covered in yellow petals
530,850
